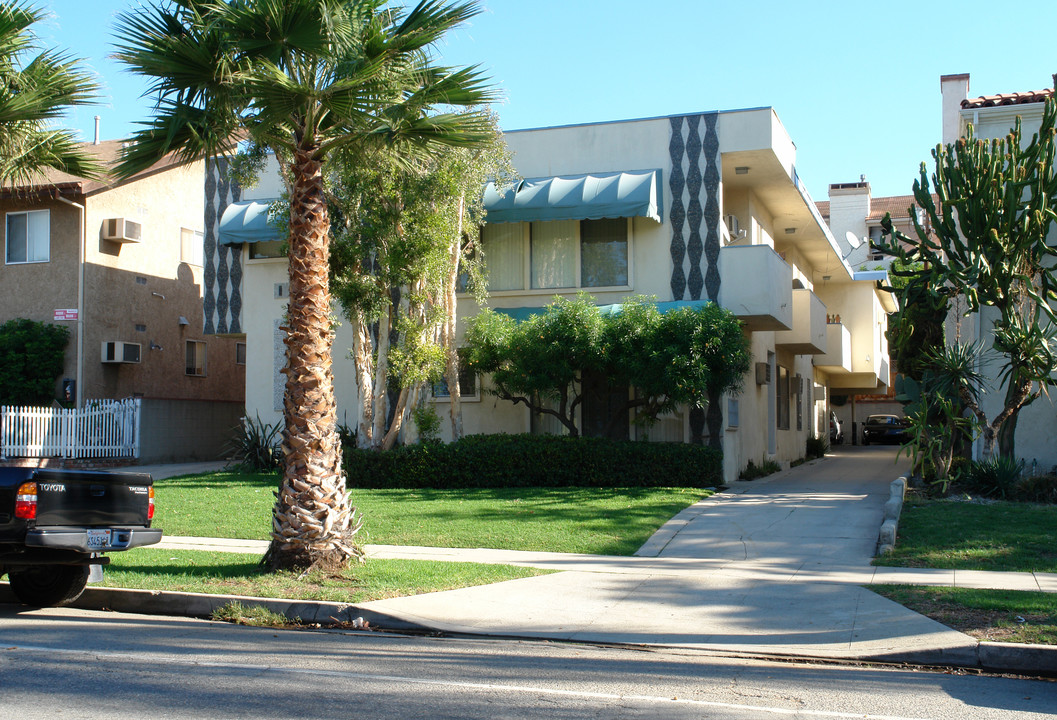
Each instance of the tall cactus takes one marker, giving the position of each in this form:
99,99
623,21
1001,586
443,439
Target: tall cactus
984,238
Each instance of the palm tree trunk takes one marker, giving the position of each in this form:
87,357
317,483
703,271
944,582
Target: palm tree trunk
313,523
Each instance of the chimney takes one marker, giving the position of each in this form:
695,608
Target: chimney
953,89
96,142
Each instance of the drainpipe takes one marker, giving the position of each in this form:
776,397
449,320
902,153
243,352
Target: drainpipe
80,299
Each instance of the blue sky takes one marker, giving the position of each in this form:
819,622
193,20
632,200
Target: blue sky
855,84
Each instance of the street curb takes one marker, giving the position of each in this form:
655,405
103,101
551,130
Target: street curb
989,656
886,539
201,605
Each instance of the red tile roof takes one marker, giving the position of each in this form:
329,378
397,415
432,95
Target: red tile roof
895,204
1016,98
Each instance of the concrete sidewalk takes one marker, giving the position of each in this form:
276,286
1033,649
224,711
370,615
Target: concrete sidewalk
771,567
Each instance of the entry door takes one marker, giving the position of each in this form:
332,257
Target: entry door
602,404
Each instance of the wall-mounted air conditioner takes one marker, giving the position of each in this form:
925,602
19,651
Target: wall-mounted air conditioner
763,373
115,351
122,230
733,227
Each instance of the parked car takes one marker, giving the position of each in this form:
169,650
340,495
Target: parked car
55,526
836,430
884,429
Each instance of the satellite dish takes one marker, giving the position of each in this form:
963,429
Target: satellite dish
854,240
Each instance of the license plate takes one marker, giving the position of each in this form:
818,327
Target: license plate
98,538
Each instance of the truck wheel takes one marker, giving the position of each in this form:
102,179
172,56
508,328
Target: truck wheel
49,585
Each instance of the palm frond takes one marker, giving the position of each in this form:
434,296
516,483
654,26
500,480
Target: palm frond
32,96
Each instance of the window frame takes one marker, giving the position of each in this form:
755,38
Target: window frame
526,264
782,397
197,247
7,238
201,367
463,397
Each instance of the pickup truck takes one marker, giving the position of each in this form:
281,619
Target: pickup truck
55,526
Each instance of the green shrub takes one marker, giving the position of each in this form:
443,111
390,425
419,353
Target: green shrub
1037,488
753,471
492,461
995,478
817,446
31,359
256,444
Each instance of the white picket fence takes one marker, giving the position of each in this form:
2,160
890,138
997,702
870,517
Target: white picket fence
101,429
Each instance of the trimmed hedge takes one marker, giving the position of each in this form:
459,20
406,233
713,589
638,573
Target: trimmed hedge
489,461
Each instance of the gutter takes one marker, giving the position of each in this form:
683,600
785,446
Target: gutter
82,241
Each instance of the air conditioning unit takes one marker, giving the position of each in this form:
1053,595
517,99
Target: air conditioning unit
115,351
733,227
763,373
122,230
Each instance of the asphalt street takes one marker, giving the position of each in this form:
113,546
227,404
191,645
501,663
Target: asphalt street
65,663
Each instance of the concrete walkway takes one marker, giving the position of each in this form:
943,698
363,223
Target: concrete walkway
773,566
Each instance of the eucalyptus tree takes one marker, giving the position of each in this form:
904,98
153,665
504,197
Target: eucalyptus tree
35,91
304,79
986,238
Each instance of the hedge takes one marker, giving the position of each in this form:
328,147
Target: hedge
490,461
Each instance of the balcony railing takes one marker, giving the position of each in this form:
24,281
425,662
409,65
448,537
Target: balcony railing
808,336
757,286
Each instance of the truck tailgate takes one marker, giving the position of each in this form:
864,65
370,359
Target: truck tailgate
92,498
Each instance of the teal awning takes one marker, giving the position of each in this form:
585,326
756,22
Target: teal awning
634,193
246,221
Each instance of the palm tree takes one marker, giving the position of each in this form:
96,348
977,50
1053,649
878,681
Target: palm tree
32,96
303,78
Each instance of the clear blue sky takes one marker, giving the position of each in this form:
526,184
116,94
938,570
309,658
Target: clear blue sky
855,84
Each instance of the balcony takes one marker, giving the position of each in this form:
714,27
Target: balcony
756,285
837,358
808,336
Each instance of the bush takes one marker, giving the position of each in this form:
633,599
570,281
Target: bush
995,478
817,446
753,471
31,360
491,461
1038,488
256,444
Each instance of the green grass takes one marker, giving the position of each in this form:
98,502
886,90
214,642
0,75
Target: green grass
979,535
235,574
998,615
604,521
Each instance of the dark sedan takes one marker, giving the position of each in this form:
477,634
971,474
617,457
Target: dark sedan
884,429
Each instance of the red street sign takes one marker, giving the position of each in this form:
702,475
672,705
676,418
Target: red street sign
66,314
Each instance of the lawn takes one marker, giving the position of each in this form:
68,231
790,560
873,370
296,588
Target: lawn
976,535
603,521
996,615
234,574
961,534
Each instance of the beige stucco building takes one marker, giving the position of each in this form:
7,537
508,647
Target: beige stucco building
993,116
689,209
121,265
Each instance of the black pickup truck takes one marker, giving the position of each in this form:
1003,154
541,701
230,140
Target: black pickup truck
55,526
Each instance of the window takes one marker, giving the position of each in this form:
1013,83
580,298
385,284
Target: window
240,353
875,239
560,254
196,358
783,398
467,383
191,247
28,237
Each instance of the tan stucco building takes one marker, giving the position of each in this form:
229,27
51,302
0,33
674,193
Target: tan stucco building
121,265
